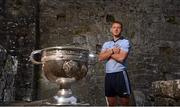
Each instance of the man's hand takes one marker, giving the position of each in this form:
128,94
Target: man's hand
110,51
121,56
116,50
105,55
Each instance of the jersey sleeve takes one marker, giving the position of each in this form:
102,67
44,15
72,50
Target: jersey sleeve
104,47
126,46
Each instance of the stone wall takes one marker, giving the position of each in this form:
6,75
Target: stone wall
152,26
166,93
17,36
8,68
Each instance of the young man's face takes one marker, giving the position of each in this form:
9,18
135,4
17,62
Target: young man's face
116,29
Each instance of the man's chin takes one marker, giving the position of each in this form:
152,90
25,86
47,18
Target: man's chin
117,35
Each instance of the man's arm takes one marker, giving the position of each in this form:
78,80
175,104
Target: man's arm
104,55
120,57
121,53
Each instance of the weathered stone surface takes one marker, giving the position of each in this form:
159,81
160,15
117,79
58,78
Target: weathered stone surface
169,88
139,98
161,101
152,26
7,76
177,89
166,92
164,88
17,32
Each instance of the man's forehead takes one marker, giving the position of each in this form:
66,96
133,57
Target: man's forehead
116,24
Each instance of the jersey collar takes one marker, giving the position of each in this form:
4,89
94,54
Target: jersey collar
120,38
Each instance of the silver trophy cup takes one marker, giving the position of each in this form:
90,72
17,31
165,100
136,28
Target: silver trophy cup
63,65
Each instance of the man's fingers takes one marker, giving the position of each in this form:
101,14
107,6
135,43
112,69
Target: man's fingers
116,50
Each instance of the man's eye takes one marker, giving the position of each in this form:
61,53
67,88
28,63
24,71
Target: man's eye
116,27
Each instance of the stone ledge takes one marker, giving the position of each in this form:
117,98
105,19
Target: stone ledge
166,92
38,103
169,89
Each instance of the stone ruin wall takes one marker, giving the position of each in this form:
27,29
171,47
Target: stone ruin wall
152,26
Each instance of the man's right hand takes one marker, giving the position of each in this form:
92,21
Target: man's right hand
116,50
110,51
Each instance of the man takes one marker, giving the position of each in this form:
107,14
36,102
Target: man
115,53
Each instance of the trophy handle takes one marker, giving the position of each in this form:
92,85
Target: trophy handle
32,56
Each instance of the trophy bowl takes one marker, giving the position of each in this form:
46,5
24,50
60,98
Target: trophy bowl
63,65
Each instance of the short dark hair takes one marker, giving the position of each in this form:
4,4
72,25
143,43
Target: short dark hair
117,22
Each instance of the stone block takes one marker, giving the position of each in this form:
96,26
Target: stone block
177,89
169,89
139,98
161,101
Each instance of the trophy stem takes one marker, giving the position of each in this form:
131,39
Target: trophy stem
64,95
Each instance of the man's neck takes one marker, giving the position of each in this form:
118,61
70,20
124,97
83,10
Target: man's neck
116,38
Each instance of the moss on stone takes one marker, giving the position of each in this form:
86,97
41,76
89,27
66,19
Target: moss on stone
110,18
171,19
81,29
132,35
167,53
